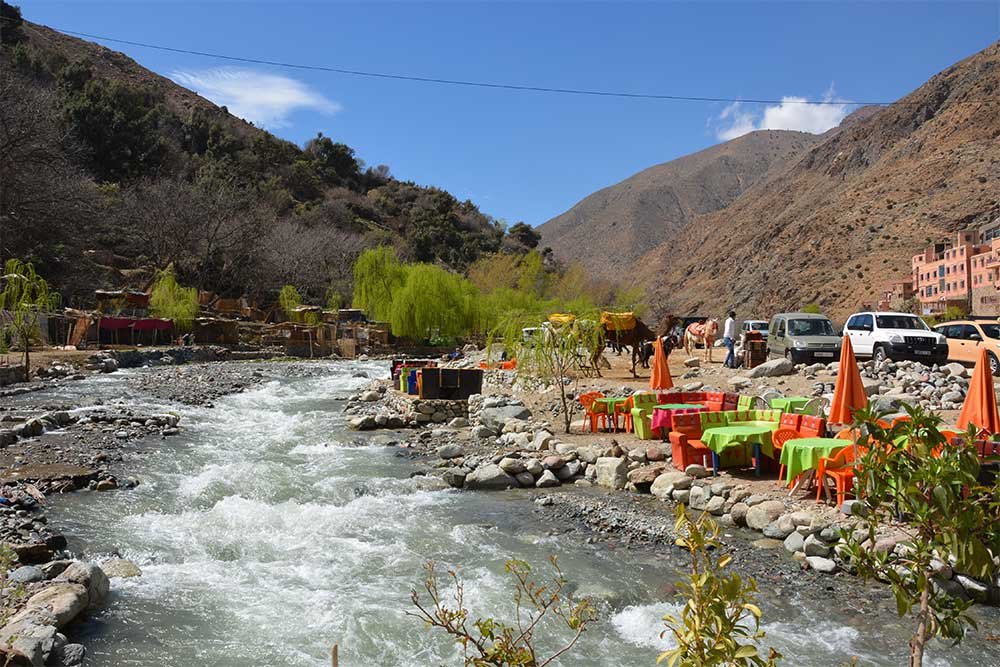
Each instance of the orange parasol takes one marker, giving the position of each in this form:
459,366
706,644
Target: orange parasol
980,407
849,394
660,377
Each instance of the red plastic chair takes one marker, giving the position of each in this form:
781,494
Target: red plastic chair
595,414
778,439
812,427
839,468
685,441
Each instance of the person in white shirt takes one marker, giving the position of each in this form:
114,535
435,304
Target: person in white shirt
729,338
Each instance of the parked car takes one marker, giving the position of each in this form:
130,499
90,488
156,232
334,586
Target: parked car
967,337
760,326
803,338
896,336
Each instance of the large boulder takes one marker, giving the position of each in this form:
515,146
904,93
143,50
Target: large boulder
89,576
772,368
664,485
495,418
758,516
644,476
612,472
490,477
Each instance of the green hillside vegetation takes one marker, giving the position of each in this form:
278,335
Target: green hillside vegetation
112,173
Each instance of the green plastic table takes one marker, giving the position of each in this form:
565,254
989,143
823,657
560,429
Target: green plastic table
802,454
789,403
609,403
720,438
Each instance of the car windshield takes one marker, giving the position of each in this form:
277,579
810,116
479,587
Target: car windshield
900,322
757,326
991,330
810,327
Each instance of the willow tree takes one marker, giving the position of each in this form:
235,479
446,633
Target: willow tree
24,298
432,302
378,275
170,300
554,352
288,300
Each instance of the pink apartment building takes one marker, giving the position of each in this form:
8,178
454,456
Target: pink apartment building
963,273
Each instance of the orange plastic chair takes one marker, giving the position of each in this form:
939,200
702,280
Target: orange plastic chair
595,414
812,427
625,410
685,442
839,468
778,440
848,434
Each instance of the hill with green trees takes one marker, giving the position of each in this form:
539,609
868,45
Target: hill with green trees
112,173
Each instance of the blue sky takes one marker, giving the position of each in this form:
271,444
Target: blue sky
526,155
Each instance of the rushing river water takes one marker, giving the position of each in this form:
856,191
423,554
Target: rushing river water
263,541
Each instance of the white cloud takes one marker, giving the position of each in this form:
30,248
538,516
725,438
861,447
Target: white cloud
793,113
265,99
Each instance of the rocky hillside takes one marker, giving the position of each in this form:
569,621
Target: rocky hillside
612,228
849,214
112,171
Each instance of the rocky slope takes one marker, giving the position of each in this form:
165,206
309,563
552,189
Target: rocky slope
610,229
849,214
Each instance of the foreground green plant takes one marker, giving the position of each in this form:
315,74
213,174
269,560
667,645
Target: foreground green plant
494,643
947,517
720,624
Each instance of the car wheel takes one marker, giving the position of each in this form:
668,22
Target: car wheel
994,364
879,354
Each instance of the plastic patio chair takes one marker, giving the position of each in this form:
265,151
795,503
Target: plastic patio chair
625,410
595,413
816,407
839,468
778,440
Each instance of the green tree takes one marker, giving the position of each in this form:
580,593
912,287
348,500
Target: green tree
334,299
378,274
336,163
495,643
288,300
931,485
25,297
720,624
524,235
170,300
432,302
553,352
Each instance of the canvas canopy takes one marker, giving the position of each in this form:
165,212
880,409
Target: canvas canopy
618,321
560,319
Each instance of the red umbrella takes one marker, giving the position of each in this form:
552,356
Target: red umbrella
660,377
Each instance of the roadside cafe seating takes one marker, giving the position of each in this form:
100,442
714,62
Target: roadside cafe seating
840,469
642,408
596,414
795,427
625,410
685,442
714,401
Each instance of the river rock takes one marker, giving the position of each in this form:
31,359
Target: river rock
571,469
553,462
739,513
26,574
612,472
548,479
644,476
698,499
495,418
696,471
7,438
362,423
534,466
525,479
812,546
70,655
955,370
590,453
976,590
739,383
772,368
450,451
90,576
656,453
542,441
664,485
483,432
119,568
794,542
778,529
454,477
760,515
370,396
715,505
458,422
63,600
821,564
489,477
512,466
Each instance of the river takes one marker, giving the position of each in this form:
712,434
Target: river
265,535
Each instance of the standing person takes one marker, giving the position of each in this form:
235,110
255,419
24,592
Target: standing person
729,338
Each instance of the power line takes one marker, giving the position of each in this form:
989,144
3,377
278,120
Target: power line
461,82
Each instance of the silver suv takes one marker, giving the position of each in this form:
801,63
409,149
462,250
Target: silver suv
803,338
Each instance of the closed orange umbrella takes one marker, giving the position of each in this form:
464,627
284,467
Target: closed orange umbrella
980,407
849,394
660,377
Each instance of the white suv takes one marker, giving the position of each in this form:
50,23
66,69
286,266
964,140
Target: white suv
895,336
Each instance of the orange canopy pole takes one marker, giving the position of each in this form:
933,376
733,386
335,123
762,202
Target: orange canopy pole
980,406
849,394
660,377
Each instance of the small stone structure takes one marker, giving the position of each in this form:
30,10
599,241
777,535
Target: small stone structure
427,411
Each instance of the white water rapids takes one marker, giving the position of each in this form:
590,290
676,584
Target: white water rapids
265,536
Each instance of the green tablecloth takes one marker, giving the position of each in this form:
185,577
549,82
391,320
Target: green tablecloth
803,454
789,403
609,403
720,438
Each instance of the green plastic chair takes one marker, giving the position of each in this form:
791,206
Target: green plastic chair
644,400
744,403
713,419
641,424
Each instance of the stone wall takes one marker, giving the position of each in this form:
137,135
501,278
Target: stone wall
428,411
